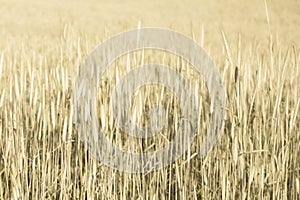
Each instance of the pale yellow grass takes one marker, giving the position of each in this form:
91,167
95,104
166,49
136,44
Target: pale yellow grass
42,46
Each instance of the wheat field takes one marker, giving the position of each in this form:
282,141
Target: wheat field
255,46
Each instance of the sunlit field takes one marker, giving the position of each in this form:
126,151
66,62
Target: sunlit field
255,46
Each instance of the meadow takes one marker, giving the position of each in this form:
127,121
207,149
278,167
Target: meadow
255,46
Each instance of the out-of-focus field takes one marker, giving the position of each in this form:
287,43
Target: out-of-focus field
43,43
45,20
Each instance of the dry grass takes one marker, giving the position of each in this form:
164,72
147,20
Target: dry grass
257,157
